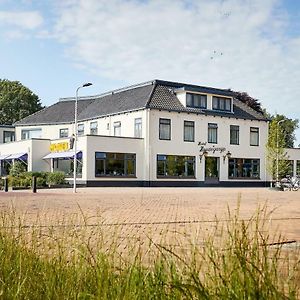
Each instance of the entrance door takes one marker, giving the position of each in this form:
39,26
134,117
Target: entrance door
211,169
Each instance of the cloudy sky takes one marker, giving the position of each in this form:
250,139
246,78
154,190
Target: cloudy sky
246,45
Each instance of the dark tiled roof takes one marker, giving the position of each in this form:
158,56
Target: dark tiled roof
60,112
156,94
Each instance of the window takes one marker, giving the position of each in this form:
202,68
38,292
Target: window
189,131
221,103
115,164
80,129
212,133
117,128
298,168
175,166
290,168
94,128
63,133
196,100
138,127
8,136
27,134
234,135
164,129
254,136
243,168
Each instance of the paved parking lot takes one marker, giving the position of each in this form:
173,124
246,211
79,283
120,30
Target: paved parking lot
155,212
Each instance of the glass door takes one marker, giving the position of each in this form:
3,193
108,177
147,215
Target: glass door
211,169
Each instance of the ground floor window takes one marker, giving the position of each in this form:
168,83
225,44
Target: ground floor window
66,165
290,168
243,168
175,166
115,164
298,168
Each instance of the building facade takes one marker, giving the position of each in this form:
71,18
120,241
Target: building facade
158,133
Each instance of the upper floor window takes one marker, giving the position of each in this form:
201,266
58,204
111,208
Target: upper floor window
234,134
138,127
8,136
117,128
164,129
189,131
221,103
63,132
212,133
254,136
80,129
27,134
94,128
196,100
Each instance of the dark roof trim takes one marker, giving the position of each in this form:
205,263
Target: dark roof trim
193,87
206,113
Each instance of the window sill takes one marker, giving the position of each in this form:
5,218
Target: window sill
115,176
244,178
254,145
175,177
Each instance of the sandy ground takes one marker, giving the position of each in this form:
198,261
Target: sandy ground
141,212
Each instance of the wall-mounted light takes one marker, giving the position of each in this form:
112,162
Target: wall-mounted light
227,155
205,153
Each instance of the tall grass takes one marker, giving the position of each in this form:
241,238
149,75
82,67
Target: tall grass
71,262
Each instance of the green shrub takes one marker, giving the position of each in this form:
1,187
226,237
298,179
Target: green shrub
17,168
55,178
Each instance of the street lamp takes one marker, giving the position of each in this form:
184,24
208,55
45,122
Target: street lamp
75,135
277,154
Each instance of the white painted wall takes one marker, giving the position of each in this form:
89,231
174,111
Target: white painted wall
126,119
92,144
176,146
36,150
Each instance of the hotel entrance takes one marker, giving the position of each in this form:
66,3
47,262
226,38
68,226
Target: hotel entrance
212,169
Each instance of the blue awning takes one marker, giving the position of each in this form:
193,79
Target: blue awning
65,154
22,156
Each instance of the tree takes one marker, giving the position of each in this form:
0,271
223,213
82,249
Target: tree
288,127
252,102
16,101
276,153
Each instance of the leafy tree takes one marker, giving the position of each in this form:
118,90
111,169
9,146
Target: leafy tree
276,151
288,127
252,102
16,101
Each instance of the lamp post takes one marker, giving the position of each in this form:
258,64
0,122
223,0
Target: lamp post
75,135
277,154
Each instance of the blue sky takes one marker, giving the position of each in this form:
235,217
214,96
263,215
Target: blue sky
54,46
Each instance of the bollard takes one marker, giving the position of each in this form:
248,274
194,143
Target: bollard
34,184
5,184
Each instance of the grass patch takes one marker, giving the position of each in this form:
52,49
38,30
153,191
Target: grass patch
235,261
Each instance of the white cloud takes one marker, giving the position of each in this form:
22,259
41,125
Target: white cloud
26,20
241,44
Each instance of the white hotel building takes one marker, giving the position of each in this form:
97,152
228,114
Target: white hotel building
157,133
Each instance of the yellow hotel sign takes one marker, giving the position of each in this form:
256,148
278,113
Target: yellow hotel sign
59,147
